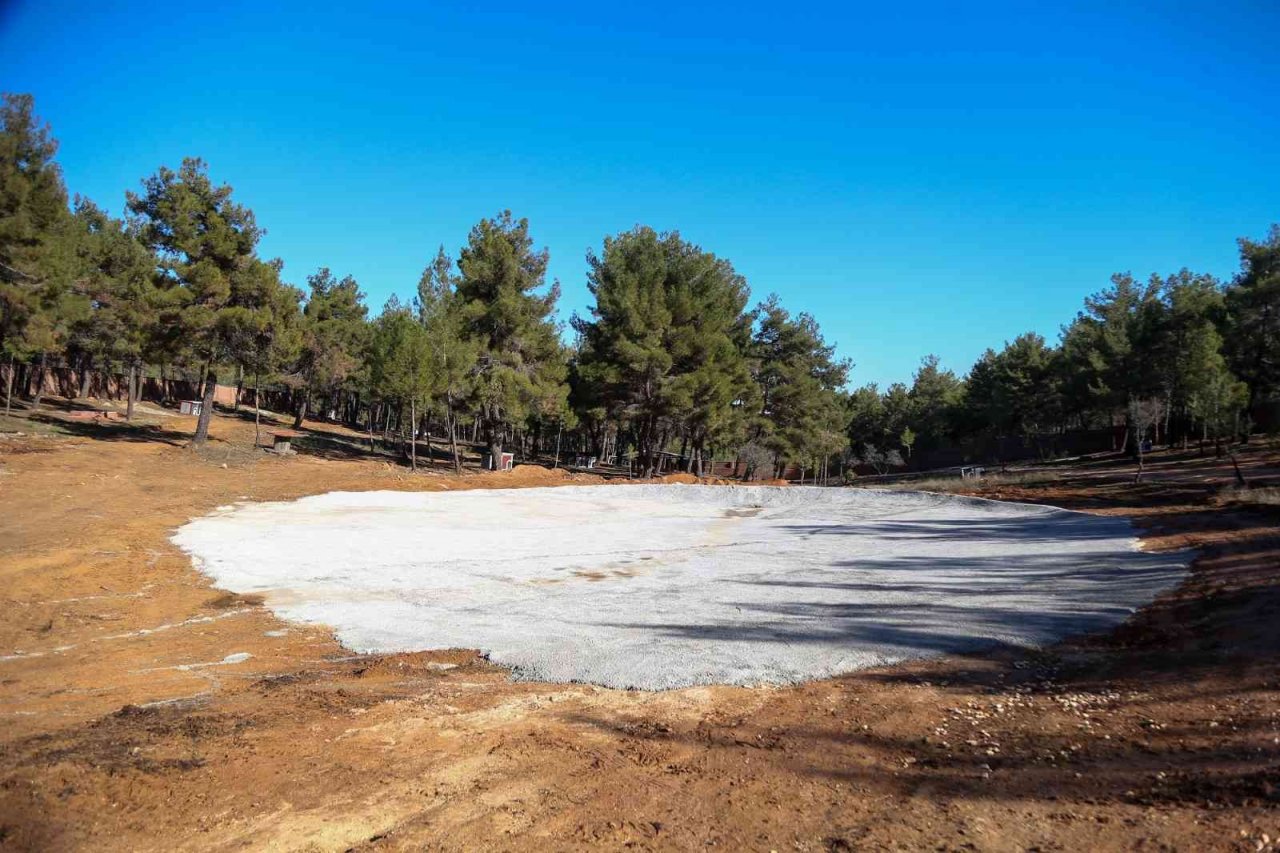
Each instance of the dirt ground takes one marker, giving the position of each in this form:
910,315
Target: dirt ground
143,709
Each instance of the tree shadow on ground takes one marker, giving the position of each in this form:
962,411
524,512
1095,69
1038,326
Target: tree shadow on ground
1037,748
114,430
913,606
326,444
247,414
1050,527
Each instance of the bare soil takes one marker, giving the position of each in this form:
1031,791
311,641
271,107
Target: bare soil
133,720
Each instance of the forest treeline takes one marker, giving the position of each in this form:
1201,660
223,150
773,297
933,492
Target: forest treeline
672,365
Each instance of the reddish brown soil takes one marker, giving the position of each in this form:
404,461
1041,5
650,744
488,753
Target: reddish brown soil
117,735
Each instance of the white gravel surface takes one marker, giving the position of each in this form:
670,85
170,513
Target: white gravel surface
660,586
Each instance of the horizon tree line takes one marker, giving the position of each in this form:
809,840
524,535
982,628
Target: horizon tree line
671,365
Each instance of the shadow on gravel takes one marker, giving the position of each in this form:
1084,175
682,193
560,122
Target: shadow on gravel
1050,528
952,607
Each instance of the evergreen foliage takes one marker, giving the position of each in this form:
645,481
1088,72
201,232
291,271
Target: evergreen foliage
333,335
39,298
665,348
668,368
206,253
506,312
800,380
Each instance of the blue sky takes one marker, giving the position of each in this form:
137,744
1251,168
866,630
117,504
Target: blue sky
921,178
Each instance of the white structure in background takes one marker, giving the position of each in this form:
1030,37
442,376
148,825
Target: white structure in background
507,463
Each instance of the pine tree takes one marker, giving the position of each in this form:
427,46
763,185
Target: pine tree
1108,350
935,394
1253,300
866,419
206,245
435,288
802,418
666,348
1188,349
39,298
333,329
711,394
401,366
454,352
505,313
1012,392
119,280
625,360
267,338
899,412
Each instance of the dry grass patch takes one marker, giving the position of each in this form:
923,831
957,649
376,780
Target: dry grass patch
1260,496
955,484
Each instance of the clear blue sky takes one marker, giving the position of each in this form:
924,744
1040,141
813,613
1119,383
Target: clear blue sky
922,178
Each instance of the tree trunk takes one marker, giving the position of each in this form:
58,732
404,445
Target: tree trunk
404,451
413,435
86,376
555,463
648,447
206,409
235,406
1253,385
426,430
1240,480
257,411
302,410
35,405
8,387
453,433
132,391
495,449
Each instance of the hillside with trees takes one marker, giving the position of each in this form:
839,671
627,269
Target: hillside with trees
673,367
